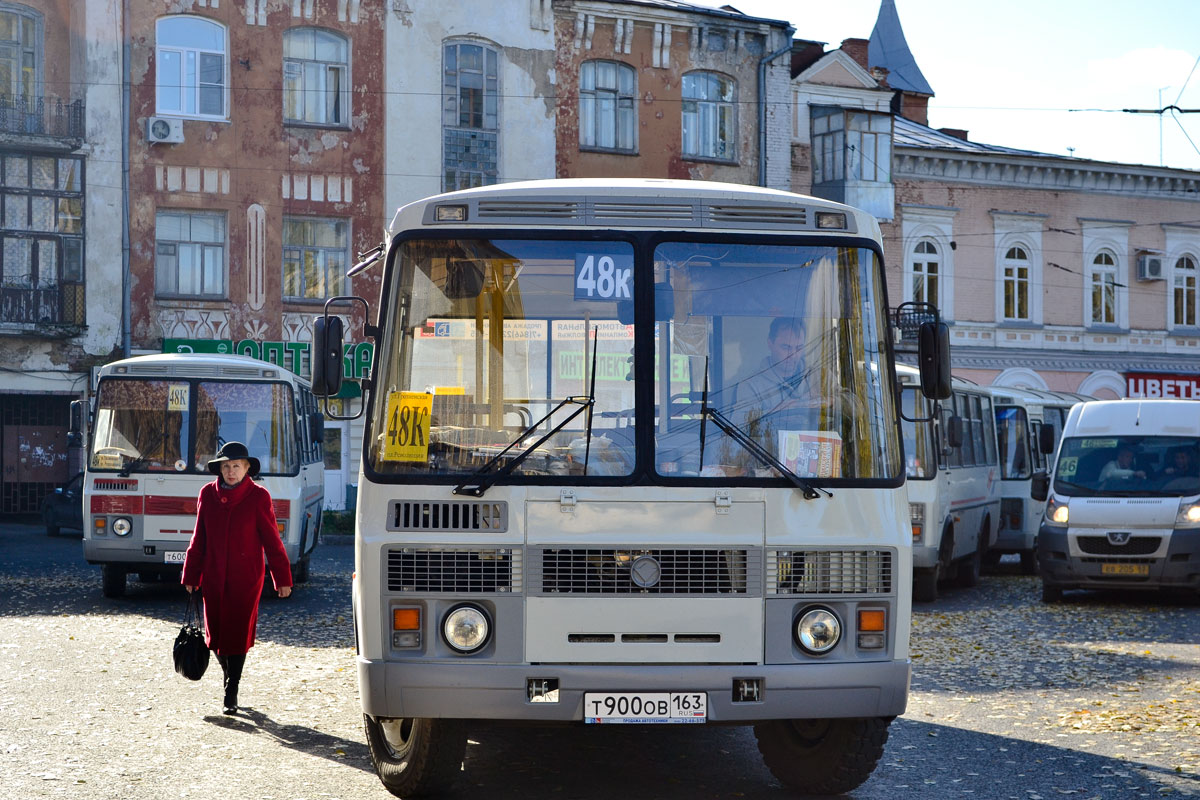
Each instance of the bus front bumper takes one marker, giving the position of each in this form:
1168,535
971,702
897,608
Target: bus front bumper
499,691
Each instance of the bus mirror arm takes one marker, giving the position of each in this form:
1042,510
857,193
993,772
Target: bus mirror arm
328,356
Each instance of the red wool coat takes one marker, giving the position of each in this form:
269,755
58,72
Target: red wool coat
234,527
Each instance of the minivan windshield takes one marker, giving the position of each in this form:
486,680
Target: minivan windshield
1129,466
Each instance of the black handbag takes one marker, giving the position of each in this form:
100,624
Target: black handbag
190,651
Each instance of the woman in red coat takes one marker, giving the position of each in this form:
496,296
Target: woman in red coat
235,525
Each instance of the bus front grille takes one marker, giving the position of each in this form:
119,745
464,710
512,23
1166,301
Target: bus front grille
829,572
632,570
472,515
454,569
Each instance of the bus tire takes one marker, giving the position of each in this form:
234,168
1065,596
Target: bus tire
971,567
112,580
925,584
821,756
1051,593
300,571
416,757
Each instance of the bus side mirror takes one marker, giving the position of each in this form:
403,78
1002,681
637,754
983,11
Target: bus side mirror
1039,489
316,427
327,356
75,429
933,354
954,432
1046,439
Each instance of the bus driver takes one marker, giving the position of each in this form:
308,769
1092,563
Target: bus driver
781,379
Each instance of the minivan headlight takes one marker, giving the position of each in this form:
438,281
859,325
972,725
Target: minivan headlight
1056,511
1189,514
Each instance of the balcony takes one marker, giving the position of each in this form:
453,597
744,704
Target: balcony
53,312
47,121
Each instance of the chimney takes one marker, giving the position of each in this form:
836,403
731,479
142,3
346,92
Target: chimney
957,133
856,49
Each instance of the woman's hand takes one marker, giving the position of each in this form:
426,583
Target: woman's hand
189,588
285,591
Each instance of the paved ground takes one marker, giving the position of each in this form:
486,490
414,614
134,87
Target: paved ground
1098,697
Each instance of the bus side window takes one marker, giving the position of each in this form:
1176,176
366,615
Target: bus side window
987,429
967,410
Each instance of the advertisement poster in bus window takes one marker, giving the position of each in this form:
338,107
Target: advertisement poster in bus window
406,428
811,454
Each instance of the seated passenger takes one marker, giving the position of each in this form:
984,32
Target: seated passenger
1183,465
1122,467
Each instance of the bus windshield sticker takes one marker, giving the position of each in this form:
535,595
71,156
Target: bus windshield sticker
177,397
811,454
1097,444
603,276
1067,465
406,432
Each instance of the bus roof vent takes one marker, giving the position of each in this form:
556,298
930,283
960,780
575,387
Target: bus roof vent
549,211
640,213
242,372
149,369
764,216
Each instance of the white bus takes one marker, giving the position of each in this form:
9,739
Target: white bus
575,506
1029,424
953,483
156,421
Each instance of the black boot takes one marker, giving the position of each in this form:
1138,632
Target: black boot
232,666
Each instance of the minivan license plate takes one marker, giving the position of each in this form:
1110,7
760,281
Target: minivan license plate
1124,569
645,707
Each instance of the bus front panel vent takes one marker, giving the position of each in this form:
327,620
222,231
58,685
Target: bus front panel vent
424,515
453,570
829,572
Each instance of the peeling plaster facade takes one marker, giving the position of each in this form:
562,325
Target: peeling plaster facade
662,43
62,275
519,33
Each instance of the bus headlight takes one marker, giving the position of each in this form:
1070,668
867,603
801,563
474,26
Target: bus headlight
818,630
122,526
466,628
1189,515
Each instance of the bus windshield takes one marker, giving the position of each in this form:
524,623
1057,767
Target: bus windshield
491,336
149,425
1128,466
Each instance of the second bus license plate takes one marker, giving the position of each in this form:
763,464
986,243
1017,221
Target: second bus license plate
645,707
173,556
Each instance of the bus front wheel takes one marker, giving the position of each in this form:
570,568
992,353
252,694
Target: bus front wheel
416,757
822,756
112,579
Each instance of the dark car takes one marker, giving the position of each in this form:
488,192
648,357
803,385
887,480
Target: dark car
64,508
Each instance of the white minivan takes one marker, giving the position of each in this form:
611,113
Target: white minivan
1124,504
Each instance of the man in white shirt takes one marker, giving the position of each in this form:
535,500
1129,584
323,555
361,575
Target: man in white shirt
1122,467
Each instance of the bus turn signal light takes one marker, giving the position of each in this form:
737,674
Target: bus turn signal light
406,619
870,620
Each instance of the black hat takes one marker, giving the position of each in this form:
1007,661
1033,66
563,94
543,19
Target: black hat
231,452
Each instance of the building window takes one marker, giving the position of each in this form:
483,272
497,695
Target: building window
607,112
190,67
470,115
315,253
20,51
1184,292
316,77
925,265
1102,287
851,145
190,253
709,118
1016,285
41,239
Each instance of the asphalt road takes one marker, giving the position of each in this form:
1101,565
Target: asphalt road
1097,697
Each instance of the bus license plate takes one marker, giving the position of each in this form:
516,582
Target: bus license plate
1124,569
645,707
173,557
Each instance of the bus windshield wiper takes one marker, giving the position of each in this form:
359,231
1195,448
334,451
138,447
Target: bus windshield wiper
755,449
483,478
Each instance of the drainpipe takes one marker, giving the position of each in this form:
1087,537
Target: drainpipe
762,105
126,278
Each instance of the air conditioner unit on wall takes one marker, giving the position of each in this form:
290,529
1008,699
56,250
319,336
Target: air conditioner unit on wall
164,130
1150,267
